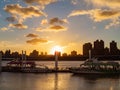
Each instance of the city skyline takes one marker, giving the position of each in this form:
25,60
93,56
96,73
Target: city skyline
43,24
97,48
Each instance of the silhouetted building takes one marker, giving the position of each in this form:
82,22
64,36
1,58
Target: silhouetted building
7,53
73,53
98,47
34,53
106,51
15,54
46,53
113,48
86,48
64,54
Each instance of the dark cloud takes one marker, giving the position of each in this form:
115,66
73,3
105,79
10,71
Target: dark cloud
18,26
32,35
36,41
57,27
11,19
109,13
56,20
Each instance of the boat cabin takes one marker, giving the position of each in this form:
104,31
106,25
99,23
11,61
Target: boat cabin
25,64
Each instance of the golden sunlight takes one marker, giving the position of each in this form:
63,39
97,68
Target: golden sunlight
56,48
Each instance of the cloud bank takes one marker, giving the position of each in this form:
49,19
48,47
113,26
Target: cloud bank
23,12
99,15
52,25
114,4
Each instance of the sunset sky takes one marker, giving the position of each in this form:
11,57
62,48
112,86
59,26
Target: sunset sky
43,24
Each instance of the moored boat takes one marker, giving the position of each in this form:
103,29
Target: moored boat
25,67
94,67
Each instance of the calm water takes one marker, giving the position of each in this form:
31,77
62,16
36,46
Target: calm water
57,81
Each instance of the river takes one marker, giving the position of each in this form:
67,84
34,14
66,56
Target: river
57,81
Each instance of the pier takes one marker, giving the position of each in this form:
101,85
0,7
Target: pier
24,66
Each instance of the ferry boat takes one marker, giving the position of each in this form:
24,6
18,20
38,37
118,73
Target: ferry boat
97,68
25,67
94,67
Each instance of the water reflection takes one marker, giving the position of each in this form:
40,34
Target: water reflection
56,82
95,77
96,82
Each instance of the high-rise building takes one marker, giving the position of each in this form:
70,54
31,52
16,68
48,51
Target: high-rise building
113,48
98,47
86,48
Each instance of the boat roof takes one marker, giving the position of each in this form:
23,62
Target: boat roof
20,62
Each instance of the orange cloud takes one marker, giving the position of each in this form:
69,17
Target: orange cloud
52,28
4,28
23,12
19,26
42,3
32,35
52,25
114,23
105,3
99,15
36,41
44,22
78,12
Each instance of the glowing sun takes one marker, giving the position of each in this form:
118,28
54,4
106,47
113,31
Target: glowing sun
56,48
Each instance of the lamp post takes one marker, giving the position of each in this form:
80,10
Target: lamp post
56,60
23,58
